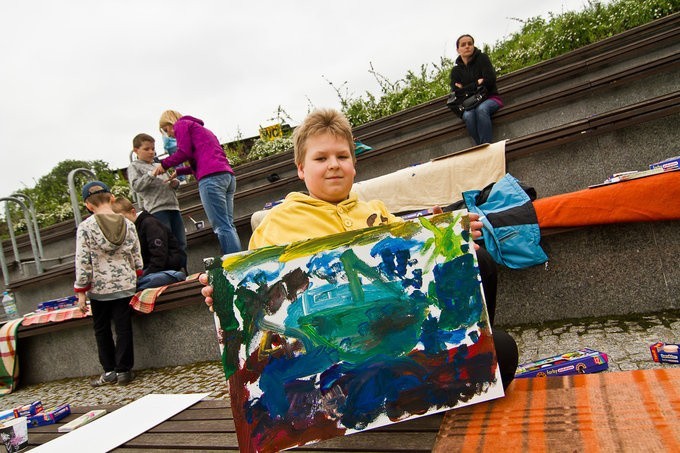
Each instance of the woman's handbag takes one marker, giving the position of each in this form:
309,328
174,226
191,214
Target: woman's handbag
459,104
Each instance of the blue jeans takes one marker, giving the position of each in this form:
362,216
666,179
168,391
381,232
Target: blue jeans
478,121
173,220
217,196
158,279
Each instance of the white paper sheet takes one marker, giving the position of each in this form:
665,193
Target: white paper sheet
120,426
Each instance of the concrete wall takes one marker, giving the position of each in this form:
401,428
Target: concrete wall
174,337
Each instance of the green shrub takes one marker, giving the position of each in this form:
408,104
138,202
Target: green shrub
262,148
537,41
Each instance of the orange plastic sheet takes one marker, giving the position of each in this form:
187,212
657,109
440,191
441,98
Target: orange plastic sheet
653,198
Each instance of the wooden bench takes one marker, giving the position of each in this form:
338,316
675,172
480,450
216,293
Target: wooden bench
558,413
209,426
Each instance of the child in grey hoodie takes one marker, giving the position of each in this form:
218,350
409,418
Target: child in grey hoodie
108,261
157,193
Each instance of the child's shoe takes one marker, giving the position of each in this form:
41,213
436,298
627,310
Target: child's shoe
106,378
125,377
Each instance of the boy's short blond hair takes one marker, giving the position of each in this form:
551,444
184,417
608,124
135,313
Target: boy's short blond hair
141,138
122,205
99,199
318,122
168,118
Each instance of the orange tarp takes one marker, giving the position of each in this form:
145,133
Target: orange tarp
647,199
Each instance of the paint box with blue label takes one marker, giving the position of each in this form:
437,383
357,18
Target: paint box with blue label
583,361
665,352
7,414
49,417
28,410
57,304
669,164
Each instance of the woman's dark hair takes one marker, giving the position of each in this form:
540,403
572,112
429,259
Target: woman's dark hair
464,36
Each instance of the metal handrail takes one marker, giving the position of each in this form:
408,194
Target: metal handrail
34,217
31,236
72,191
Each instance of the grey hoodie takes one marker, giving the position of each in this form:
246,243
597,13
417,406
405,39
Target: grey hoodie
107,257
156,193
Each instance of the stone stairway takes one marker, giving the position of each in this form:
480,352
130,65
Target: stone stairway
569,122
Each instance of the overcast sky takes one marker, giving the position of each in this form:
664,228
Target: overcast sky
80,78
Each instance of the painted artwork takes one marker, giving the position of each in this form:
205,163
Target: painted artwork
336,335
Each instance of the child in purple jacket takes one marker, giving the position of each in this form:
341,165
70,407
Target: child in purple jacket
209,164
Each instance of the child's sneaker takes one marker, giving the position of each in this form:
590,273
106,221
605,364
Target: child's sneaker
107,378
125,377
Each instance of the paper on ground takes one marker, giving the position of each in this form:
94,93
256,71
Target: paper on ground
120,426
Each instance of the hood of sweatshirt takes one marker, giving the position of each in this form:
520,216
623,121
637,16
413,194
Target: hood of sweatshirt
303,197
191,118
113,228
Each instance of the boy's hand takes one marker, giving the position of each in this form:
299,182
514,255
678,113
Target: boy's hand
82,302
206,291
475,227
158,170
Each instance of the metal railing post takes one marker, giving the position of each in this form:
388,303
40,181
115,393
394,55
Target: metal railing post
12,236
34,216
31,236
73,194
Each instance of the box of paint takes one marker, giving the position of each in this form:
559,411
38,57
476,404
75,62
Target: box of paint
6,415
583,361
29,409
50,416
668,164
665,352
82,420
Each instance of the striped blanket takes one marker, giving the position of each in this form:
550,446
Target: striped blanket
63,314
145,301
613,411
9,366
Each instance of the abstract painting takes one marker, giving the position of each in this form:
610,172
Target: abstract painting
336,335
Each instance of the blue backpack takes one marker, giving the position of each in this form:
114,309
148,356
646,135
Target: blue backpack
511,233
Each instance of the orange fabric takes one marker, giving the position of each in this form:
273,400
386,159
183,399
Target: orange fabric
63,314
647,199
610,411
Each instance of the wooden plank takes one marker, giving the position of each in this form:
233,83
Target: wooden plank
208,426
185,440
195,426
204,414
378,441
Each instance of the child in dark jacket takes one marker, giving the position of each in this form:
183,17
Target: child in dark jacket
162,255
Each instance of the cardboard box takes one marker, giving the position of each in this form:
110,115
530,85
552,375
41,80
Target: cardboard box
28,410
49,417
57,304
82,420
6,415
668,164
583,361
665,352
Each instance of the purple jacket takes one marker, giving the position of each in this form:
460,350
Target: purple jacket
200,147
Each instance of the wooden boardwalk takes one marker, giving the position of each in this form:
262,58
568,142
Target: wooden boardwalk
208,426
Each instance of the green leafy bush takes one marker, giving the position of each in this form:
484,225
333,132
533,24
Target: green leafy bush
538,40
51,197
262,148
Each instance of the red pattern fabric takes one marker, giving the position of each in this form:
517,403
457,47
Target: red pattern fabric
63,314
145,301
9,366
